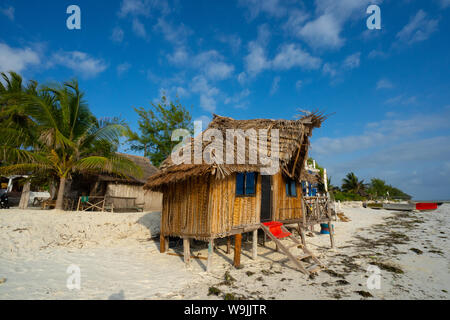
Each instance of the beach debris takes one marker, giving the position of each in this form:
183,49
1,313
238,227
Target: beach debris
342,282
266,272
228,279
418,251
387,266
333,273
364,294
249,273
214,291
343,217
229,296
2,280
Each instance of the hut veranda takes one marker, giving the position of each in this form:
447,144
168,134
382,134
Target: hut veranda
226,190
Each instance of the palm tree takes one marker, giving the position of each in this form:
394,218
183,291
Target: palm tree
70,139
13,118
351,184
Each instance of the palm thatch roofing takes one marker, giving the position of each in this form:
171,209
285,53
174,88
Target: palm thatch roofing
142,162
293,147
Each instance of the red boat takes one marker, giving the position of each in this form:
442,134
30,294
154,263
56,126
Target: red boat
426,206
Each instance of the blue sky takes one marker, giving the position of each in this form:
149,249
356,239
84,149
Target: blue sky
389,89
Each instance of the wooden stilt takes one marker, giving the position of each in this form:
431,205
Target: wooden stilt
162,243
228,245
302,235
210,255
255,244
237,250
187,251
331,233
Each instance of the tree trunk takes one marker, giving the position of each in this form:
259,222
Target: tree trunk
25,197
60,199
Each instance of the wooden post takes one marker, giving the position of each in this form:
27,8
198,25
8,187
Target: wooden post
331,233
187,252
237,250
302,235
228,245
78,206
210,255
162,243
255,244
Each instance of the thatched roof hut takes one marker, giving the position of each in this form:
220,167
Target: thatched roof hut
293,148
126,193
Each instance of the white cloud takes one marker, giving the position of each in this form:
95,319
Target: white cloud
205,120
298,84
256,60
16,59
445,3
80,62
242,78
207,93
273,8
402,100
384,84
291,55
329,69
210,63
123,67
379,133
139,28
323,32
419,28
8,12
352,61
233,41
237,98
174,34
134,8
117,35
275,85
324,29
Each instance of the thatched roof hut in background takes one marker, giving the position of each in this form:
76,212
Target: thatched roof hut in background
119,190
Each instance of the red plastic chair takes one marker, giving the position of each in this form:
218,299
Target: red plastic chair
275,229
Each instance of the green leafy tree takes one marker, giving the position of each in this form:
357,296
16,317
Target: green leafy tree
156,126
379,189
69,139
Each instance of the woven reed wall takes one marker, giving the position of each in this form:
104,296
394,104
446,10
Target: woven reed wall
284,207
152,200
185,209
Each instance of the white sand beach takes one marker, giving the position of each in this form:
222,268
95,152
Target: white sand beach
118,259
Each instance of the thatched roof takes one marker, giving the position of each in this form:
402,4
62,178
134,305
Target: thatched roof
293,147
144,163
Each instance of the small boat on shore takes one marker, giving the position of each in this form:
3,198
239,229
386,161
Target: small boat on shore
421,206
410,206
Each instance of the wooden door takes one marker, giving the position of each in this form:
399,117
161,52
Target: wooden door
266,198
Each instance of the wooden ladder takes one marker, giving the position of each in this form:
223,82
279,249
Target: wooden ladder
298,260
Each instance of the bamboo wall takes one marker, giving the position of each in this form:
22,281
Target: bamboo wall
152,200
206,207
284,207
185,209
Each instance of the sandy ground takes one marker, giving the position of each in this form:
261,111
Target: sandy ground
118,259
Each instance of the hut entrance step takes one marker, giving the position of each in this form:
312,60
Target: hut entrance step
276,231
